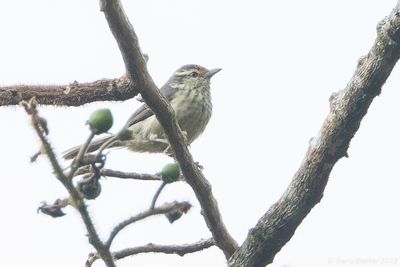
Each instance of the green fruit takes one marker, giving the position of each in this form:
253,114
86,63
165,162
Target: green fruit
171,172
100,121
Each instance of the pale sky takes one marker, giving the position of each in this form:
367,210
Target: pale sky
281,61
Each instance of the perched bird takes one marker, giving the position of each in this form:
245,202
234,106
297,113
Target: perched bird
188,92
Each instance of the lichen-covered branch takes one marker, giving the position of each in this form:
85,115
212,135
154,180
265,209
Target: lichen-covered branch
74,94
137,71
348,107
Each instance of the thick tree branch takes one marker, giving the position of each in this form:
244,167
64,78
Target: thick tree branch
180,250
74,94
348,107
137,71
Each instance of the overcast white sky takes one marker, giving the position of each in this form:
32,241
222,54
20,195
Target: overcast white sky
281,61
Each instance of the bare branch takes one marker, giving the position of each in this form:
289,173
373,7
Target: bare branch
75,94
166,208
157,194
180,250
130,175
77,162
348,107
122,175
30,108
137,71
76,198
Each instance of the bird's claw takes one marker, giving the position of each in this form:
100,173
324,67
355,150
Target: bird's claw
199,165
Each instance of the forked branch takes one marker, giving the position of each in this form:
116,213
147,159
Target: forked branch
136,69
180,250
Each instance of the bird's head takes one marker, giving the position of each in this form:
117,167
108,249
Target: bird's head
193,75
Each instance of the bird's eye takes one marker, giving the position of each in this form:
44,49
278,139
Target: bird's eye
194,74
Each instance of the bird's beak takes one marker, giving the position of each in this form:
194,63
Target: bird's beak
212,72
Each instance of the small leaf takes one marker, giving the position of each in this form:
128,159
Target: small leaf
52,210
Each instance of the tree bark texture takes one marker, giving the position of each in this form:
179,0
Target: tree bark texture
74,94
347,108
137,71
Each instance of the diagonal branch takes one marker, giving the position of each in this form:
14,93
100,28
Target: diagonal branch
74,94
137,71
348,107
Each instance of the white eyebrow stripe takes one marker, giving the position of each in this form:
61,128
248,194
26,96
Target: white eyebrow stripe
186,72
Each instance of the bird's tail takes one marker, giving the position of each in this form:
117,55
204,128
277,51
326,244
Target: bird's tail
94,145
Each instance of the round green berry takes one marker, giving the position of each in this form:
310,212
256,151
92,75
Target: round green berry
100,121
171,172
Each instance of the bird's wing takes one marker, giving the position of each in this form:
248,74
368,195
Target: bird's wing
144,112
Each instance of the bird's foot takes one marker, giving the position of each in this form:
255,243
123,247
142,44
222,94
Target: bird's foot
199,165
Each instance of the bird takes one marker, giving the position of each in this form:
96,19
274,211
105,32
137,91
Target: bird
188,92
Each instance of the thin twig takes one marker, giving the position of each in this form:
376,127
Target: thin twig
82,151
30,108
130,175
106,145
76,198
166,208
157,194
122,175
180,250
